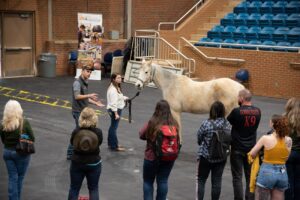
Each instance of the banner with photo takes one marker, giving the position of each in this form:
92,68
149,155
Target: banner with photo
90,32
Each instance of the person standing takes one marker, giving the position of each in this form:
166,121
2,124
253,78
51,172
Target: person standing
81,98
13,124
272,179
86,161
115,105
154,168
244,120
80,34
292,112
216,121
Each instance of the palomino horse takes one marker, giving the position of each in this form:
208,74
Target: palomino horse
186,95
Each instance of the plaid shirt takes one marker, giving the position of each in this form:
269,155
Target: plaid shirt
205,134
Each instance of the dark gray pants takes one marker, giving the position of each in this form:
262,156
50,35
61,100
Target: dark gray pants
239,163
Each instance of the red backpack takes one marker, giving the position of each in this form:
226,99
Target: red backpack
167,144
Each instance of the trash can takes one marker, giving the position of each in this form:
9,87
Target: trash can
47,65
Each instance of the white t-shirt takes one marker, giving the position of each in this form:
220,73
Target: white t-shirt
115,100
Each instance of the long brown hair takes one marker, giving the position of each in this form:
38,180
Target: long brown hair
114,83
280,125
292,112
161,116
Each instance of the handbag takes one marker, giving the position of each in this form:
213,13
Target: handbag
25,146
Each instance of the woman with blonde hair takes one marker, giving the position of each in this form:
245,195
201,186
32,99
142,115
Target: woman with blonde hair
13,124
272,179
292,109
86,160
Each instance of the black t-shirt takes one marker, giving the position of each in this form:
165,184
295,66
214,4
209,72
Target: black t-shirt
244,121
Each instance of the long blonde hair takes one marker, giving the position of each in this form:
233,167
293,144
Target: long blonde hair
292,109
12,116
88,118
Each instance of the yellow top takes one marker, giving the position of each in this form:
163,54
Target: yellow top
278,154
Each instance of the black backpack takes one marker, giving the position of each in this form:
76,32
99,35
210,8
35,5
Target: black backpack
219,146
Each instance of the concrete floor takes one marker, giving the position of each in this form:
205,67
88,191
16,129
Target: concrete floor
121,179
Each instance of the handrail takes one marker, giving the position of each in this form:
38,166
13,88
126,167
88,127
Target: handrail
211,58
181,18
147,31
153,46
249,45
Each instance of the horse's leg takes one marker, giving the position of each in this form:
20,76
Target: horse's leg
177,117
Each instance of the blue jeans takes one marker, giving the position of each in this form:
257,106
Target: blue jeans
16,165
239,162
272,176
293,171
112,139
75,115
159,170
204,169
77,173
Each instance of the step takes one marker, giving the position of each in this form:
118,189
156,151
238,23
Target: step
221,14
209,25
214,20
196,37
203,31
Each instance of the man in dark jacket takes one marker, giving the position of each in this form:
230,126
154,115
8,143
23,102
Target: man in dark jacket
244,120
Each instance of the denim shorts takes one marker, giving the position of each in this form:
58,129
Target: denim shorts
272,176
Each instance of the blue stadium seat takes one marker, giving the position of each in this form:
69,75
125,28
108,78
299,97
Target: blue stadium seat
241,8
279,20
296,44
216,40
252,42
279,7
252,33
228,19
266,20
266,33
280,34
293,7
293,20
294,35
240,42
254,7
229,41
268,43
199,43
253,19
266,7
241,19
215,32
240,32
282,44
228,32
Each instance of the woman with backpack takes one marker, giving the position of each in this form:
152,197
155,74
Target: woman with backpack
86,160
206,161
161,129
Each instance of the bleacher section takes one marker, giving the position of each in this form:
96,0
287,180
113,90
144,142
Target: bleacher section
275,23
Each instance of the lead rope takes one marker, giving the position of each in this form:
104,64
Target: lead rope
129,102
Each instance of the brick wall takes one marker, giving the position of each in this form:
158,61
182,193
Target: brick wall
270,72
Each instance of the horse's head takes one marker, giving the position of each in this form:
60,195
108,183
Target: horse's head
145,74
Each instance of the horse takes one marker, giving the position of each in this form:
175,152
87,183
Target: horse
185,95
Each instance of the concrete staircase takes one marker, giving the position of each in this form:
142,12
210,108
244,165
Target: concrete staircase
214,20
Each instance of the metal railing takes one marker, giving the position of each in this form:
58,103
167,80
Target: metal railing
235,60
188,13
256,47
149,45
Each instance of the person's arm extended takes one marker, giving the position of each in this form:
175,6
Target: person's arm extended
257,147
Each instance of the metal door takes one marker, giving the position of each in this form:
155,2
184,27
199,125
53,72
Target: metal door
17,44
